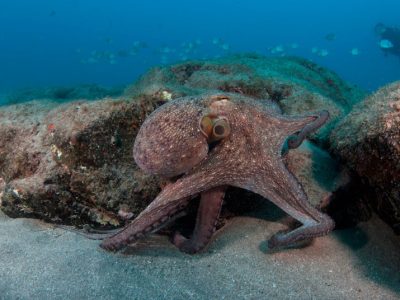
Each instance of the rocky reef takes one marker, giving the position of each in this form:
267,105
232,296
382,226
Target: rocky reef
368,141
71,162
62,93
297,85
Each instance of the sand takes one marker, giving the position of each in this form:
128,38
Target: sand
38,261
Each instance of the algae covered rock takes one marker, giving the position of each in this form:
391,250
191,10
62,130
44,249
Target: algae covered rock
297,85
318,172
62,93
368,141
73,162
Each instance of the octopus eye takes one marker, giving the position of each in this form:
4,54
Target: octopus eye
206,126
214,128
221,129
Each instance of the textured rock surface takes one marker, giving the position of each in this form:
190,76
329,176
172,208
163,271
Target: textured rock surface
318,172
61,93
297,85
72,162
368,141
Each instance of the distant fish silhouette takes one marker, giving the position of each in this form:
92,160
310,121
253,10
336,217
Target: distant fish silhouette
52,13
279,49
139,44
380,28
330,37
216,41
122,53
355,52
389,39
323,52
385,44
225,46
108,40
319,52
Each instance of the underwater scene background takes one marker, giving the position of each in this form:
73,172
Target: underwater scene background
73,42
199,149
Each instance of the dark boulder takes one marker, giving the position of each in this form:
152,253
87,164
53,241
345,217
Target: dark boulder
368,141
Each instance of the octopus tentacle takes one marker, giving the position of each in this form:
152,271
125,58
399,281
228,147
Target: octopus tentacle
164,209
290,197
90,233
150,220
296,140
207,216
306,231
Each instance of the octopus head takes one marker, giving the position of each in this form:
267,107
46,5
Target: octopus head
176,137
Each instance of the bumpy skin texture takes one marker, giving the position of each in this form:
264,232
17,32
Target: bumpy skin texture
170,143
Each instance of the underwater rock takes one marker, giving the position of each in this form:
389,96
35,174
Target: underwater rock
297,85
72,162
368,141
318,172
63,93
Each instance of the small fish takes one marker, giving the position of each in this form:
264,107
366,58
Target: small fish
122,53
166,50
133,52
330,37
139,44
277,49
355,52
216,41
323,52
379,28
385,44
91,60
225,46
108,40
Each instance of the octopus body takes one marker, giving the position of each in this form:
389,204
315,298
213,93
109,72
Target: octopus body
205,144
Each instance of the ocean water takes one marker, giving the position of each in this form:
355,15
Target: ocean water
52,43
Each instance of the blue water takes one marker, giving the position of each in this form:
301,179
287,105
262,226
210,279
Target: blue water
48,42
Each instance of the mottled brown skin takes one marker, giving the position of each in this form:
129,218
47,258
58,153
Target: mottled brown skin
170,143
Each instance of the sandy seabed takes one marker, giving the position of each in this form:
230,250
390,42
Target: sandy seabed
38,261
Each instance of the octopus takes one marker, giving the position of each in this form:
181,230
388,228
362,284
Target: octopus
205,144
